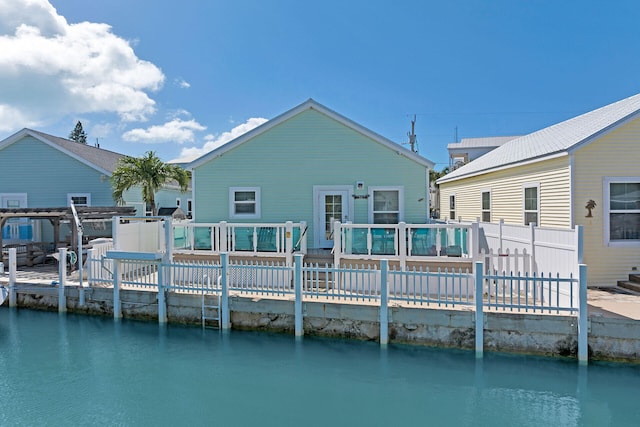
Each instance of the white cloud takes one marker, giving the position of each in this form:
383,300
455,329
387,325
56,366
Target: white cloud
177,130
214,141
50,68
181,83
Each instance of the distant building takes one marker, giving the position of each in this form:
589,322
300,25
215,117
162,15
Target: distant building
468,149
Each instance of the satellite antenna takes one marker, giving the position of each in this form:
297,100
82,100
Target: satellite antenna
412,135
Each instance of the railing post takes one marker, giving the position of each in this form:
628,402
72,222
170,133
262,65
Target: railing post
224,241
13,266
500,231
474,246
533,248
337,243
299,326
478,270
303,237
168,239
90,261
288,242
117,306
579,232
402,244
190,234
384,302
62,280
162,302
115,227
224,298
583,327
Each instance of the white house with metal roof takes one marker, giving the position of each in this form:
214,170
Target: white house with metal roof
314,165
469,149
583,171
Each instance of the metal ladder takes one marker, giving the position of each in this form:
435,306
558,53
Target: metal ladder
207,307
216,306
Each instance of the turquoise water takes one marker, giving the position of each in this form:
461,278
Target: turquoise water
70,370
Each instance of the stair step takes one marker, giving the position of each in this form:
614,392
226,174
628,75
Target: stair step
635,278
632,286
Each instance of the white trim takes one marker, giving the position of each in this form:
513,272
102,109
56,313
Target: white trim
535,185
256,215
399,189
71,195
606,181
455,204
572,186
28,132
444,179
20,196
310,105
482,209
189,210
318,222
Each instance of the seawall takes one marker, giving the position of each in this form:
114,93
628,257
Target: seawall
540,334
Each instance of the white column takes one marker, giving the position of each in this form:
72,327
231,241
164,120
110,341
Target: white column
479,269
13,266
583,325
62,281
384,302
299,325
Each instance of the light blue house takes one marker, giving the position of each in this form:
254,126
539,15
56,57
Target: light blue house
314,165
38,170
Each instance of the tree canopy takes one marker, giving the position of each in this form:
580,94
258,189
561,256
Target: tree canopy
150,174
78,134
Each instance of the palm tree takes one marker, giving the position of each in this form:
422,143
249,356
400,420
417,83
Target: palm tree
149,173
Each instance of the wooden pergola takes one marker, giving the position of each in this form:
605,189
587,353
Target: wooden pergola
58,215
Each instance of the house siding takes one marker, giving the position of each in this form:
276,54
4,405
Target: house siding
47,175
307,150
506,188
615,154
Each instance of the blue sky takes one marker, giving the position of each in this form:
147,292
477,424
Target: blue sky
182,77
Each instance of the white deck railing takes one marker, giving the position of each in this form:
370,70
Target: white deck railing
403,242
240,238
513,248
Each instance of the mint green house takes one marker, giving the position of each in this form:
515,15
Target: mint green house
42,171
311,165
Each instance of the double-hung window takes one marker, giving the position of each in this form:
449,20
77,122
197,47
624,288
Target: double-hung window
79,199
386,205
622,210
452,207
531,204
486,206
244,202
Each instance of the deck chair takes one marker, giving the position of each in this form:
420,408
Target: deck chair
267,239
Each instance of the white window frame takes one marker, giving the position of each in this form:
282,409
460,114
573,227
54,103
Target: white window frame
20,197
400,210
232,203
526,186
450,209
607,181
70,196
482,209
189,208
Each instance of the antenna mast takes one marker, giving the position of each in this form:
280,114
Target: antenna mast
412,135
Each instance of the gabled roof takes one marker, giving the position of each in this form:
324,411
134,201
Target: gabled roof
310,105
561,138
483,142
104,161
